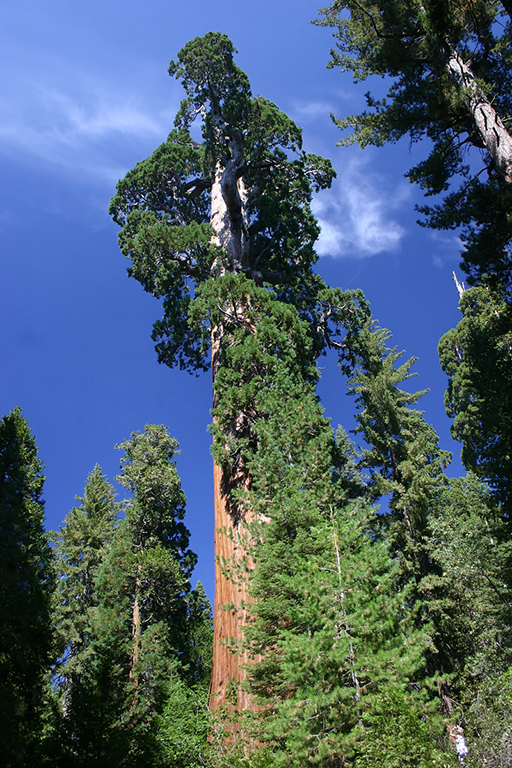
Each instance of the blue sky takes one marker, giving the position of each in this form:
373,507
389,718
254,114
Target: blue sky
85,95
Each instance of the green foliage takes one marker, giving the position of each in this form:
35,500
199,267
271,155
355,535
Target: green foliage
81,546
403,455
477,356
395,733
88,678
334,624
413,43
184,726
199,649
473,546
253,151
162,562
489,724
26,587
260,334
131,629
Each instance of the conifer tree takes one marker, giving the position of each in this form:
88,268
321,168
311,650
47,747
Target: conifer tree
406,463
402,453
450,69
477,356
154,566
82,545
204,224
472,545
328,619
133,633
162,563
26,588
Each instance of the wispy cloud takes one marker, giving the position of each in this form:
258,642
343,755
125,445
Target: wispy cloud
305,111
356,216
78,127
448,247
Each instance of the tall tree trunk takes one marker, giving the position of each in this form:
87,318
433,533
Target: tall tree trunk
231,561
488,123
229,222
228,671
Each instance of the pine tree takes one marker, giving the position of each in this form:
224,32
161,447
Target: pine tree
26,588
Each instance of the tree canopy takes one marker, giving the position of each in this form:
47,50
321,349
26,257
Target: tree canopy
448,64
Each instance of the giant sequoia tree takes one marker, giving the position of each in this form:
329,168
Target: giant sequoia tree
205,224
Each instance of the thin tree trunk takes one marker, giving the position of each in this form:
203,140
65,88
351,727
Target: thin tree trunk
353,671
136,632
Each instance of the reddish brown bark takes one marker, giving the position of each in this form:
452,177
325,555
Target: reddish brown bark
231,593
228,668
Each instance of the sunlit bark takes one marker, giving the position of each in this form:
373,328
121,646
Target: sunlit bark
493,133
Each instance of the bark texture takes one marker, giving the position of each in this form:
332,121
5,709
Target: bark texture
495,137
228,672
230,613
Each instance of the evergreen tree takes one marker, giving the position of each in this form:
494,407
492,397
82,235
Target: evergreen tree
449,64
406,464
132,631
156,567
158,538
472,546
26,588
329,625
82,545
402,453
206,223
477,356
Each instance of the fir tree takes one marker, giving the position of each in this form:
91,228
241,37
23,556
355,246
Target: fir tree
82,545
405,462
27,584
156,564
329,622
477,356
402,454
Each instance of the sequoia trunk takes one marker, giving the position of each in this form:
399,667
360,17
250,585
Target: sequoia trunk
231,595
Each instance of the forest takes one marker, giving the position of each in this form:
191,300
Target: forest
363,610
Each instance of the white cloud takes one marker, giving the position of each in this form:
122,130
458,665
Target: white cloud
356,214
448,247
303,111
79,126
